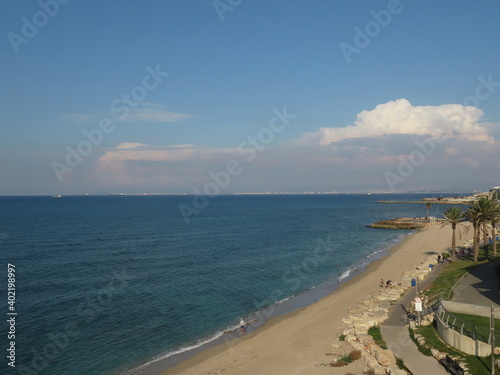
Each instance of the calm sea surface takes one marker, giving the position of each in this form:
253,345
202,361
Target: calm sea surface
107,283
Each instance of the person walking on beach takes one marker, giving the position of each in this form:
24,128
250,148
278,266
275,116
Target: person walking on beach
439,258
242,326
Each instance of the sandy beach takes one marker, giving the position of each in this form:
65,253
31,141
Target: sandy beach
298,343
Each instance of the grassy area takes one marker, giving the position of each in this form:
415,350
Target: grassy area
345,360
432,340
447,278
444,283
377,337
476,365
482,323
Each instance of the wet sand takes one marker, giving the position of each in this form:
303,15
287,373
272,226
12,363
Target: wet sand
298,343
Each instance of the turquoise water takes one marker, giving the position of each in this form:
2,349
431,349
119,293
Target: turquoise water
107,283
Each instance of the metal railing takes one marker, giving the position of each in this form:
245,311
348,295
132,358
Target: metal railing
435,305
465,328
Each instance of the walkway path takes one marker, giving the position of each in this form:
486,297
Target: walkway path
476,292
397,337
479,287
465,308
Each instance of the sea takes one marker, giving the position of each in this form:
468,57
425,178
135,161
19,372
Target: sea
110,285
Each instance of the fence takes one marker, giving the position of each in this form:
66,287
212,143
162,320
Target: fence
473,331
435,305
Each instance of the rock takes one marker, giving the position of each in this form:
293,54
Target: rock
356,345
372,364
384,305
384,357
366,340
361,331
350,338
363,326
348,331
347,321
395,370
497,350
425,323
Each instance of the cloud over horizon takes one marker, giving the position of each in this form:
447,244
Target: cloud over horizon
333,157
400,117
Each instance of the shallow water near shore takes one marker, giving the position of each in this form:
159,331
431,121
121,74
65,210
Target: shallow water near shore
107,284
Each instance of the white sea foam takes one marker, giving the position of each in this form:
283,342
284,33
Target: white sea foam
345,274
184,349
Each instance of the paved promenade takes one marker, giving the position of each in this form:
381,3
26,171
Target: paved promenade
479,287
398,339
474,294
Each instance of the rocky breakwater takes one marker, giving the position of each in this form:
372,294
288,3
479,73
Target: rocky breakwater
403,223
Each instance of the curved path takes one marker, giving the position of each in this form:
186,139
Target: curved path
397,337
476,292
479,287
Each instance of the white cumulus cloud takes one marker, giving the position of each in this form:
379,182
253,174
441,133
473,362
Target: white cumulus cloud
401,117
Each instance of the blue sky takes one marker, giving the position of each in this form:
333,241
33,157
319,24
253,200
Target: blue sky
429,72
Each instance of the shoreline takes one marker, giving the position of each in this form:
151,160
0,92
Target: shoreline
299,341
260,319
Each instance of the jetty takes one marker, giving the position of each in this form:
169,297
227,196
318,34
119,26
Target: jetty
433,201
406,223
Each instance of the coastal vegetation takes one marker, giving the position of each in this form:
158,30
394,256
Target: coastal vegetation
476,365
443,285
481,322
454,216
377,336
448,277
428,206
482,214
345,360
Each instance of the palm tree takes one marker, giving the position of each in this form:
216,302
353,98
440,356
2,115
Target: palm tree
454,216
487,210
494,221
472,216
483,210
428,207
493,215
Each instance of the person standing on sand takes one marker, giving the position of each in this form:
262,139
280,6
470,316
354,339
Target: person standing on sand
439,258
242,326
